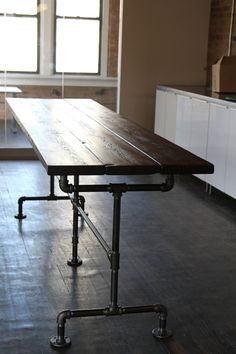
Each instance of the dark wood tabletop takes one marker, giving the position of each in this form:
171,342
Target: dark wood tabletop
80,136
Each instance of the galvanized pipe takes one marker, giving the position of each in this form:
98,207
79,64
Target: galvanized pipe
95,231
122,187
115,256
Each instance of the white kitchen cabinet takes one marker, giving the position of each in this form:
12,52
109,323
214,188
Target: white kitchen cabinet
217,144
199,130
183,121
165,122
230,175
199,127
203,125
160,113
170,121
192,126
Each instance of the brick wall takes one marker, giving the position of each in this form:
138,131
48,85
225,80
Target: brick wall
104,95
219,29
113,38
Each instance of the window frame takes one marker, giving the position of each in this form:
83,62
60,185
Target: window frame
100,19
46,76
37,16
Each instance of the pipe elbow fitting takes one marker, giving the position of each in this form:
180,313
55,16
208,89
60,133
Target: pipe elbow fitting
65,186
63,316
169,184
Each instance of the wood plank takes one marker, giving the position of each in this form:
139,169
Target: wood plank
55,146
172,158
79,136
108,148
68,143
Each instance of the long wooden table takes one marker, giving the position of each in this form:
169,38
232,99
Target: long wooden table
74,137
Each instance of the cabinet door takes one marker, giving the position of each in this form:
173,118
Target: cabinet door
217,144
183,121
199,129
160,113
170,118
165,114
230,176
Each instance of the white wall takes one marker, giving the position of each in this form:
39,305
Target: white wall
162,42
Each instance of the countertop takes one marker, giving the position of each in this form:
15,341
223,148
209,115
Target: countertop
202,92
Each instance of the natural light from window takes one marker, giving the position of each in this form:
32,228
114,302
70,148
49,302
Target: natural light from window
83,8
74,24
17,54
18,35
82,57
23,7
77,36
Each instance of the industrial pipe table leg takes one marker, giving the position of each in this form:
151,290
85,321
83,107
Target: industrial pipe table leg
20,214
75,261
60,340
50,197
161,332
115,255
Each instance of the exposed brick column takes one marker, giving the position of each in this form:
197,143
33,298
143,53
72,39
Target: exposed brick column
113,38
219,33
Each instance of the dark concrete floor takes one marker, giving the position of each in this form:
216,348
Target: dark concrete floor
177,248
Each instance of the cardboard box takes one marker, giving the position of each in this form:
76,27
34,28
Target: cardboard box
224,74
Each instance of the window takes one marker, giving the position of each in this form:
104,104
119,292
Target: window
19,31
77,36
41,39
